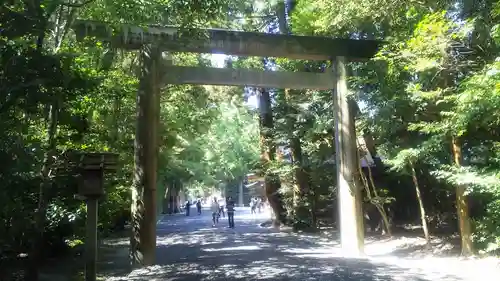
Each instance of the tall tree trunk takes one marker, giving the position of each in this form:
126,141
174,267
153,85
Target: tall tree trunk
272,182
143,240
167,200
177,201
241,202
301,196
177,190
51,143
40,213
462,204
172,197
423,216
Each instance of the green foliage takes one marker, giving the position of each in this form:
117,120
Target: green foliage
371,18
31,80
95,88
219,142
404,158
436,77
232,142
487,228
483,181
159,12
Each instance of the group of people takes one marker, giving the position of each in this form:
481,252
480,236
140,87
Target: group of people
218,210
218,207
188,204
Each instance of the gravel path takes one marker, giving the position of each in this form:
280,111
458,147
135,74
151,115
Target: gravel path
190,249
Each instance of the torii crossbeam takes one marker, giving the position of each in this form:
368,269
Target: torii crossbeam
237,43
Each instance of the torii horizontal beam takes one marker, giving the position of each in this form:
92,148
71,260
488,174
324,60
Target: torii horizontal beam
239,43
247,77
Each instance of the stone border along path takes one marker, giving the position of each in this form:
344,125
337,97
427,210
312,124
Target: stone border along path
190,249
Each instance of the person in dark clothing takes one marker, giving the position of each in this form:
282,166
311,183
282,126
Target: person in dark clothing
198,206
188,207
230,211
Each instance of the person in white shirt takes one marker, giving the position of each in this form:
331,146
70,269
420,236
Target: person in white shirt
222,203
253,205
215,211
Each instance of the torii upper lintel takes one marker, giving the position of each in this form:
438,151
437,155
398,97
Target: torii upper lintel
238,43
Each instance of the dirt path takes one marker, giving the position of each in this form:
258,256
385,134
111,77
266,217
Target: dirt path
189,248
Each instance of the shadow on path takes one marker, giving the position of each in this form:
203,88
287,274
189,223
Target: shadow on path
190,249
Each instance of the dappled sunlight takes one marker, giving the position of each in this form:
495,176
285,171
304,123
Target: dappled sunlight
196,251
202,237
317,252
246,216
438,268
403,246
279,267
238,248
262,269
388,247
267,234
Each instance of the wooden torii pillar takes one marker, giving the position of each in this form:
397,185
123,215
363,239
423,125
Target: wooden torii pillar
346,157
154,39
143,238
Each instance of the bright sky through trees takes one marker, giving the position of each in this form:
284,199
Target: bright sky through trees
218,61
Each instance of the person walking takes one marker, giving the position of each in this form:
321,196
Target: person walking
188,207
230,211
215,211
222,204
198,206
253,204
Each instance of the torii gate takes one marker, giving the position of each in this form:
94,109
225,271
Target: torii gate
154,39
